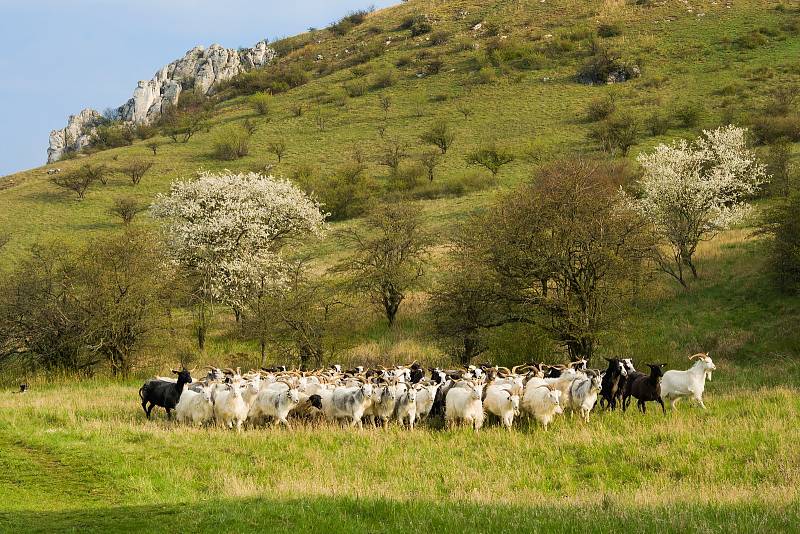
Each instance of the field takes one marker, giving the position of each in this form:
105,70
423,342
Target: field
78,454
83,457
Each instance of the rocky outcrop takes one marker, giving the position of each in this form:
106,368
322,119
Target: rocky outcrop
201,69
75,136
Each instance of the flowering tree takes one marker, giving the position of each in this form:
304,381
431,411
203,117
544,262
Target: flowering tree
228,230
692,191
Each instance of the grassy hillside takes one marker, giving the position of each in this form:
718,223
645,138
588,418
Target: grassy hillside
720,60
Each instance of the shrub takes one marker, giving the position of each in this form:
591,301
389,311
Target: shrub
403,61
657,123
434,66
767,130
261,102
491,158
440,136
277,147
416,24
383,79
608,29
112,136
182,125
355,88
136,169
145,131
750,41
408,176
617,133
485,76
77,181
347,193
781,222
439,38
605,66
600,108
277,79
515,54
687,114
126,208
230,143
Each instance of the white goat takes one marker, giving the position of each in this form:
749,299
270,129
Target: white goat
230,409
463,403
275,404
690,383
194,407
425,397
582,394
406,407
542,401
502,402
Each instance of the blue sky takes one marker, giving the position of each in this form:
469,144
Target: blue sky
60,56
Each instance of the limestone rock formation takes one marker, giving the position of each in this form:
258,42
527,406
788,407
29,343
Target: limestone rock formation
201,69
75,136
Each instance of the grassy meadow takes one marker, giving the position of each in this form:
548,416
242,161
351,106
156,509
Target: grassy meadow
78,454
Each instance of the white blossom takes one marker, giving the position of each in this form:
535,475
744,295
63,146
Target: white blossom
230,228
691,191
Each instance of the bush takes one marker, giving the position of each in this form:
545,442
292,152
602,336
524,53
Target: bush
403,61
408,176
617,133
231,142
261,102
491,157
416,24
515,54
434,66
687,114
276,79
767,130
347,193
355,88
127,208
600,108
439,38
145,131
136,169
605,66
383,79
657,123
485,76
112,136
609,30
440,136
781,223
751,40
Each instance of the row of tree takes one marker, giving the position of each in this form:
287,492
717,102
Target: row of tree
562,254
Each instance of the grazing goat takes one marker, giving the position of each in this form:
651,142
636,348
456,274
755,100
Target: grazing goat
230,409
163,393
644,388
275,404
195,407
543,402
348,403
502,403
463,403
612,384
690,383
406,407
583,393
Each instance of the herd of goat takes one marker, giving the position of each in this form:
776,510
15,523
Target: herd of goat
409,393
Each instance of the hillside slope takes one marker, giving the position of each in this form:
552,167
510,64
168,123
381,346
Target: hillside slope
716,60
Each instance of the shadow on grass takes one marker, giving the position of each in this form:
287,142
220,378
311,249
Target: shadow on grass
328,514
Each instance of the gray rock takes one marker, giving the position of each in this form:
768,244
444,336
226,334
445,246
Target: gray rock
75,136
201,69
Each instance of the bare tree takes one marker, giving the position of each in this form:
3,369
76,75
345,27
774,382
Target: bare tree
430,160
393,154
127,208
389,256
277,147
77,181
440,135
136,169
490,157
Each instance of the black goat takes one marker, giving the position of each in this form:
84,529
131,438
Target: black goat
417,373
163,393
612,384
644,387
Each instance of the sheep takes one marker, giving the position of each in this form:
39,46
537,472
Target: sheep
644,387
463,403
406,407
613,382
230,409
163,393
543,402
195,407
274,403
583,394
678,384
503,403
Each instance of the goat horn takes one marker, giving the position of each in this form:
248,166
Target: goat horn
698,355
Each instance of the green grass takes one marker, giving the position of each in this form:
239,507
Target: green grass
82,456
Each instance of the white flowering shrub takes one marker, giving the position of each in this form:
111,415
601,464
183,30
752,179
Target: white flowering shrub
228,230
692,190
